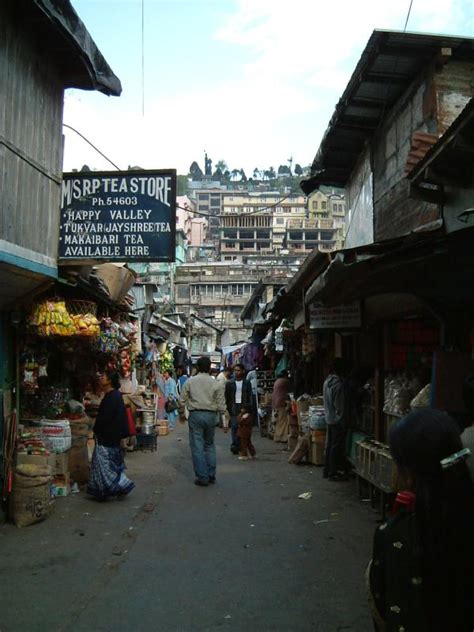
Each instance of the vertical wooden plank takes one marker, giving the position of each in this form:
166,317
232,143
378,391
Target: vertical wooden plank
380,384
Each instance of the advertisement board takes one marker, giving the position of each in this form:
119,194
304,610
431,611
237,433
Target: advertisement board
118,216
340,317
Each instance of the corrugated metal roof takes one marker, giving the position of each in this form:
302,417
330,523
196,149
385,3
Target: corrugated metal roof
389,63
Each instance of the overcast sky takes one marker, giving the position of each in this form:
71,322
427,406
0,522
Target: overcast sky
253,82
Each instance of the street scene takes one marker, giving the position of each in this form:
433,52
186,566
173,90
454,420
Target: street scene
236,316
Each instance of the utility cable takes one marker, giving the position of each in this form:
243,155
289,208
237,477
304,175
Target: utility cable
92,145
408,16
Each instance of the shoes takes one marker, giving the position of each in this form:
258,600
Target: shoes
212,480
200,483
243,458
234,451
252,457
338,478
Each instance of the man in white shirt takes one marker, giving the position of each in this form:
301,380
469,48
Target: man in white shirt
203,397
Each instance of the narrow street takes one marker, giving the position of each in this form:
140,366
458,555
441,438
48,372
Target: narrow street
245,554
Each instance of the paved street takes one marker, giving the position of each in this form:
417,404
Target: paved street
245,554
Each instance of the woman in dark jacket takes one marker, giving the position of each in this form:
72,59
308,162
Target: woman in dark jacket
107,476
421,577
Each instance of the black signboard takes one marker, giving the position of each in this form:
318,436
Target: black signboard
118,216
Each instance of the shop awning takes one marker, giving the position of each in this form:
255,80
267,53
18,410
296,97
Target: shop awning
436,268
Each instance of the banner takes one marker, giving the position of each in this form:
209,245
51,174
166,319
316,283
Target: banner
339,317
118,216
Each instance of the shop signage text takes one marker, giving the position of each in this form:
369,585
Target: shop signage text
118,216
340,317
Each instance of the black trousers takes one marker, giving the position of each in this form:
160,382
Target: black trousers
335,442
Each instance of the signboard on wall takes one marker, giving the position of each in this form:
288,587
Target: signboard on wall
118,216
346,316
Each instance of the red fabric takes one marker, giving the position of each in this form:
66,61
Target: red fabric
132,430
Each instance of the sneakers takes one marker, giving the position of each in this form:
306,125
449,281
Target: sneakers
212,480
243,458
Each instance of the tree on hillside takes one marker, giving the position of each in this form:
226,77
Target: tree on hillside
227,175
256,173
283,170
218,175
243,177
182,185
195,171
272,174
298,170
235,173
222,166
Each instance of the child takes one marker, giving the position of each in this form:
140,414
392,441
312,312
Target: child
244,432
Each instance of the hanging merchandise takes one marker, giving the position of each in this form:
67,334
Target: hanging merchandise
51,318
108,341
166,361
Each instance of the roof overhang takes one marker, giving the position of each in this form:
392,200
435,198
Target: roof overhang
60,32
389,64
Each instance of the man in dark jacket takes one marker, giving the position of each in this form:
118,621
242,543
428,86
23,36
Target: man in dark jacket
334,405
238,393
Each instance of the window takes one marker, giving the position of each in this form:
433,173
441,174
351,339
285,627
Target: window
295,235
203,196
280,220
230,234
311,235
323,205
204,207
327,236
183,291
314,205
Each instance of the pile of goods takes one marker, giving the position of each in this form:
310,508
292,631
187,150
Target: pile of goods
52,318
399,391
31,444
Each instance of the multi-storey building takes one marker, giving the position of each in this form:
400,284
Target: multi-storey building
209,205
218,291
256,223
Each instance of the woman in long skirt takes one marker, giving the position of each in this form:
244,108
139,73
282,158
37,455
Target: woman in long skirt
107,476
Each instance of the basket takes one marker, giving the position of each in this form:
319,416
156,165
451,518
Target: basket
82,307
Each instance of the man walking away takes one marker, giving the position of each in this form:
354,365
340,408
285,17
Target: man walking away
238,393
203,396
333,392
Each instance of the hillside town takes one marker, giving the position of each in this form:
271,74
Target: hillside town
265,371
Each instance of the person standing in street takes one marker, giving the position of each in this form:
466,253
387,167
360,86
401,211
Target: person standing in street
107,476
171,398
333,394
238,393
280,399
181,378
203,397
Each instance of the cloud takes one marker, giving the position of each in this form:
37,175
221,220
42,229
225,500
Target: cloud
301,56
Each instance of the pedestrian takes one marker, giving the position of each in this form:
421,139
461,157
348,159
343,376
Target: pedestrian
421,576
333,395
181,378
171,399
225,374
280,398
238,393
203,397
244,432
107,476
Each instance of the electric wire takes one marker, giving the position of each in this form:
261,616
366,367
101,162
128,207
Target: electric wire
92,145
408,16
143,57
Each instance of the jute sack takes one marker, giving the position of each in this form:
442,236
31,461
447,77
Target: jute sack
31,498
79,460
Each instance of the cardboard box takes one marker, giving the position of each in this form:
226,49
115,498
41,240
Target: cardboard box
317,453
61,485
33,459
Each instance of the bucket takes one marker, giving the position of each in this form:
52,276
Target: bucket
148,429
148,417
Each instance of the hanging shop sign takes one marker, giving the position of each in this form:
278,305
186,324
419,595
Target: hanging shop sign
346,316
118,216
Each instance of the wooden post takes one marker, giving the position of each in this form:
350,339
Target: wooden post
379,429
